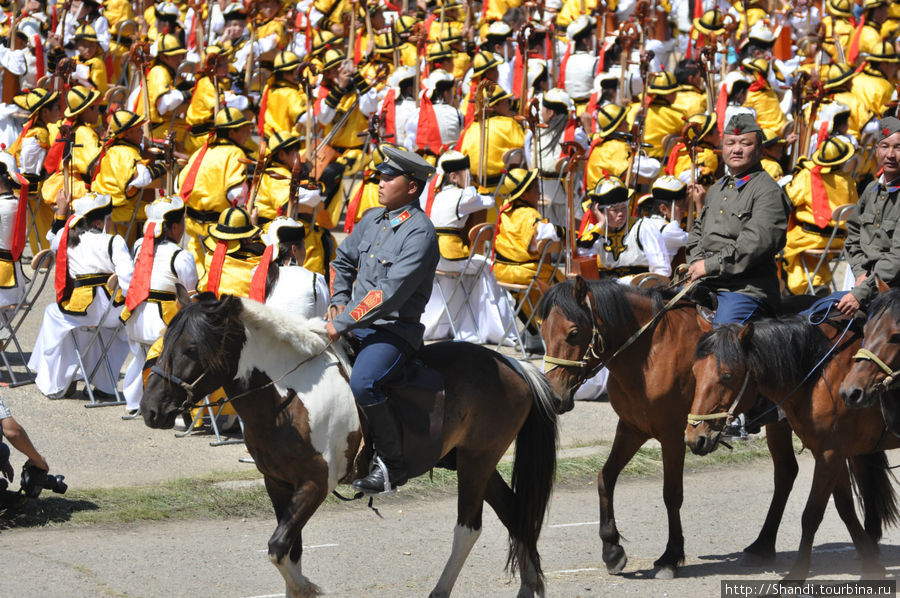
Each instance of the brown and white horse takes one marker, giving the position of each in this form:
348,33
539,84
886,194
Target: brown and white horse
650,388
301,425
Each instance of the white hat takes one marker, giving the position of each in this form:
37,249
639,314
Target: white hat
759,32
157,211
284,224
400,75
559,98
437,76
10,161
29,27
453,161
95,204
499,29
167,8
536,67
734,77
828,112
578,26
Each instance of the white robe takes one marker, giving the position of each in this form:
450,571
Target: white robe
53,357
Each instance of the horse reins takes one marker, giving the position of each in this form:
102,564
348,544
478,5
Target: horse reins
890,380
189,400
592,353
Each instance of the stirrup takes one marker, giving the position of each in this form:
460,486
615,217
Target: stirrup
736,430
377,465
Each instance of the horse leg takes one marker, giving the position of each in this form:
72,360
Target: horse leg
503,500
472,476
825,475
625,445
293,508
781,448
673,496
866,544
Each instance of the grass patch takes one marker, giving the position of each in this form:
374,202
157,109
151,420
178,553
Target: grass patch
204,498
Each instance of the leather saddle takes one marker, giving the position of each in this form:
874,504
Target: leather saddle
417,402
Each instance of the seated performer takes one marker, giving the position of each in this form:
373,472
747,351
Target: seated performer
280,280
521,228
150,305
86,256
13,212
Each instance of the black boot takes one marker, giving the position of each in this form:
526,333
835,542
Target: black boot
389,469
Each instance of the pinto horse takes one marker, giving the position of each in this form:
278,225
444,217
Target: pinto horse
801,366
875,376
650,388
290,386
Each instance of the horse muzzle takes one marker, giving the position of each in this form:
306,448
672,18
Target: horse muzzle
857,397
702,443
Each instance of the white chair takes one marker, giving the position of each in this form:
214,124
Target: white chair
12,317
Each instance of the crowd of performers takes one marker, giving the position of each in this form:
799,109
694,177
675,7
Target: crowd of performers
228,146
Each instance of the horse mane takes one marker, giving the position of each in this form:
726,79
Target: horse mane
305,337
781,351
611,302
205,322
889,300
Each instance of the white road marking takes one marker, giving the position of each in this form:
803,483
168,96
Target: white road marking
576,524
305,547
279,595
576,570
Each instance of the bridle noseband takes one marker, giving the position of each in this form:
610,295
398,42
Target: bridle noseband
886,383
593,351
189,400
695,419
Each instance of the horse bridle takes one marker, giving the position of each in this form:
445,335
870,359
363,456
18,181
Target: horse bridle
886,383
695,419
591,353
189,400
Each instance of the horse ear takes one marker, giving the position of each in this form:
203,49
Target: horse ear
882,286
182,297
746,334
581,289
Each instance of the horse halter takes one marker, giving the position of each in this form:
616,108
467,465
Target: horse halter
886,383
591,353
189,400
695,419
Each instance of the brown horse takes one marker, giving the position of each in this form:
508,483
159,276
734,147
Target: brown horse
650,388
290,386
868,380
800,365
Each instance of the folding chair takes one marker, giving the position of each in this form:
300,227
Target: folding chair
96,333
546,248
480,239
828,257
209,412
12,317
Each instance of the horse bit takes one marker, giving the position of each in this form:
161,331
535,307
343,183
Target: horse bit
889,381
591,353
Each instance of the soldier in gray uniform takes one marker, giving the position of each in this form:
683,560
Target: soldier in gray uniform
741,228
381,280
872,240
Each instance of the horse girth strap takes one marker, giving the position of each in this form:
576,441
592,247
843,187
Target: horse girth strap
892,375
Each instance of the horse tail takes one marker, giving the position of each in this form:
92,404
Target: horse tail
534,470
874,486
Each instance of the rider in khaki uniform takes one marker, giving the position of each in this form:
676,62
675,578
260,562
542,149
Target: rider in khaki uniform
733,242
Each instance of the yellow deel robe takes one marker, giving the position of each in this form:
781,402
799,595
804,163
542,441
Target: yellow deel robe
661,119
768,110
200,113
503,133
841,190
690,100
609,157
873,88
115,171
285,104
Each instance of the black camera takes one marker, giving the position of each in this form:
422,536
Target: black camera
34,480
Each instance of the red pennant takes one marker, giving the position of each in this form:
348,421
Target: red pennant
389,114
215,268
357,50
470,109
39,57
17,144
139,289
54,156
320,95
591,109
561,82
429,202
569,132
258,281
587,221
428,133
261,119
62,261
821,208
759,84
518,73
17,240
822,133
721,106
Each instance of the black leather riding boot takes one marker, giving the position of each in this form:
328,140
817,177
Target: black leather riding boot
385,433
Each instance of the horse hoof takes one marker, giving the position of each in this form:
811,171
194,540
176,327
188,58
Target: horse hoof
617,566
665,572
756,560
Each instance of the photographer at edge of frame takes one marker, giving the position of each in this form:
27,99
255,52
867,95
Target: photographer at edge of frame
13,432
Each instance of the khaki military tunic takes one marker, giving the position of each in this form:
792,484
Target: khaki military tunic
872,244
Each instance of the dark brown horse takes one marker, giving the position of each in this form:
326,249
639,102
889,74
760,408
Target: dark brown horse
650,387
874,375
290,387
800,366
